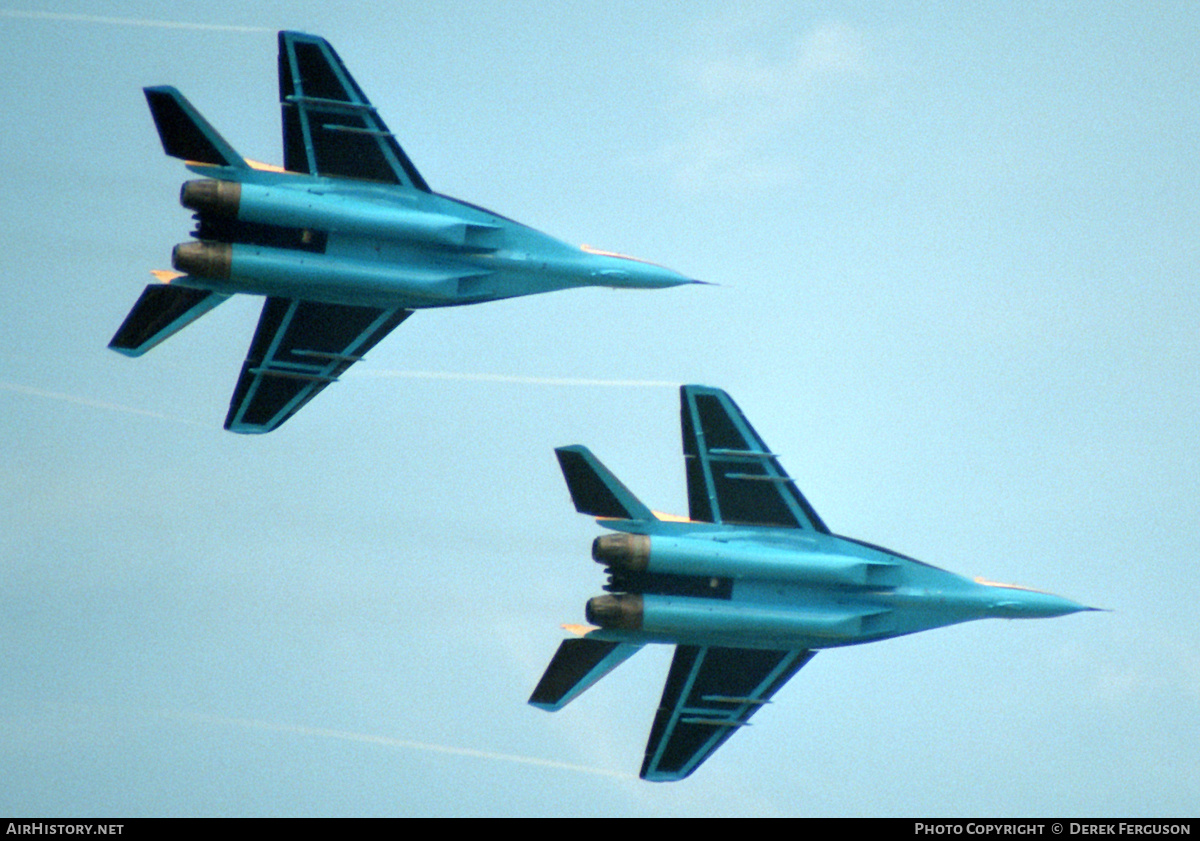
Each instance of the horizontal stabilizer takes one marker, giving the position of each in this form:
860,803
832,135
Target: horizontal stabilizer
578,664
594,490
161,312
184,133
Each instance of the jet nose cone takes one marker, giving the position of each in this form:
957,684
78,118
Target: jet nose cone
1011,601
1033,605
640,276
621,271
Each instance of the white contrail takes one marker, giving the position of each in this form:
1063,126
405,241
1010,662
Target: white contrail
388,741
507,378
114,21
365,373
95,404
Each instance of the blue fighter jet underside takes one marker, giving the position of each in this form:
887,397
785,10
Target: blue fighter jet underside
344,241
747,588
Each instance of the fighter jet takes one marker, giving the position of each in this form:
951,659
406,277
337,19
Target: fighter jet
747,588
345,240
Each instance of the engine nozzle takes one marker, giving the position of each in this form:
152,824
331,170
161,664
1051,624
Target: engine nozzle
629,552
211,195
204,259
622,612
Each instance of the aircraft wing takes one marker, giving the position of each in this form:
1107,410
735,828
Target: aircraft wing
732,477
299,348
710,693
329,125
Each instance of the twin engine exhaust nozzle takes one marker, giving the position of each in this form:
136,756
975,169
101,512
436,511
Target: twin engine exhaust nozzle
211,196
204,259
629,552
624,611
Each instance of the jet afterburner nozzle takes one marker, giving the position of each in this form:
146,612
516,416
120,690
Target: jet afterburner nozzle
203,259
327,210
623,612
670,555
211,196
629,552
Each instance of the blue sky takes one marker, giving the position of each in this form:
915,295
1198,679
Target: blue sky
957,264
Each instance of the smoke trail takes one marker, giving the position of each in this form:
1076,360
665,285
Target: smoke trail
506,378
391,742
115,21
95,404
568,382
